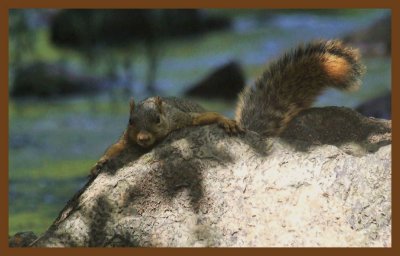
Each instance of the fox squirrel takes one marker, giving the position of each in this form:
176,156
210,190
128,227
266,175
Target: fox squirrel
154,118
288,85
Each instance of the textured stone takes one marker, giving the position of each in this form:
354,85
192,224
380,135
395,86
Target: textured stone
325,182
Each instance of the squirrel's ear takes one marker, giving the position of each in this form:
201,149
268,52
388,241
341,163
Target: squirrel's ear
158,102
132,104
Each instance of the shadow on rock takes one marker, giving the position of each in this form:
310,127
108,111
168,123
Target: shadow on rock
338,126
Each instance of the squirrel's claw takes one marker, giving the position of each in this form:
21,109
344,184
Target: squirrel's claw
95,170
230,126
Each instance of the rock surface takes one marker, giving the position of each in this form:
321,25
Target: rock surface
326,182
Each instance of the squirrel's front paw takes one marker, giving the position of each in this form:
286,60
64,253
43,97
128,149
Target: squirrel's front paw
230,126
97,167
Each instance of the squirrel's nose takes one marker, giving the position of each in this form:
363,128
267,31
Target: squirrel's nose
143,137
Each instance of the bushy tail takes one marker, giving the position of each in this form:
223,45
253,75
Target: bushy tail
292,82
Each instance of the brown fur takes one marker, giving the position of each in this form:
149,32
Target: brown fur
336,67
292,82
154,118
288,85
229,125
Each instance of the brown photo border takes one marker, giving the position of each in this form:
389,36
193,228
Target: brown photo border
295,4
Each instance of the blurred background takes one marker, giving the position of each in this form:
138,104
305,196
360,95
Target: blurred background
72,72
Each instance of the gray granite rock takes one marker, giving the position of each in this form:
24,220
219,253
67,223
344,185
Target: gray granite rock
325,182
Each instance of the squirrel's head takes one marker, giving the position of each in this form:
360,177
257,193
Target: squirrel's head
148,121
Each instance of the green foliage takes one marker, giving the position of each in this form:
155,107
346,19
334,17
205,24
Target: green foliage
32,207
37,221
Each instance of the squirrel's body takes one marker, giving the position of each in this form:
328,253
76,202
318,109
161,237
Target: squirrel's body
288,85
154,118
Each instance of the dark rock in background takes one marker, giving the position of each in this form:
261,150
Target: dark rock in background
379,107
223,83
47,80
375,40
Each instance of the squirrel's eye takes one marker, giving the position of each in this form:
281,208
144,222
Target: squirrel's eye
130,121
158,120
